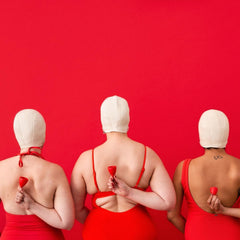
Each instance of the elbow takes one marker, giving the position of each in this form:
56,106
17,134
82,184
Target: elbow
170,216
69,222
80,219
166,206
68,225
81,214
170,203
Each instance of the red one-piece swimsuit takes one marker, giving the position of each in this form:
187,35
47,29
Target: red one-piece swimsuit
133,224
28,227
202,225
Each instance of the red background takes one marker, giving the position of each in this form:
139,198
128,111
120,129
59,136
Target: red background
171,59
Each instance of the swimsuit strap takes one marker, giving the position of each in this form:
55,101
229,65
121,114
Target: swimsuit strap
29,152
94,172
184,179
143,167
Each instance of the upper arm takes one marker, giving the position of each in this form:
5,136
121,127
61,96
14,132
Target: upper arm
178,188
63,202
160,182
78,185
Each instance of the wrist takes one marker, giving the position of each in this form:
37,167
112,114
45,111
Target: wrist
224,210
129,192
31,206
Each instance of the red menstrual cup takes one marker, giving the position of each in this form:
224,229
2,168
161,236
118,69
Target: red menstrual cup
22,181
213,190
112,170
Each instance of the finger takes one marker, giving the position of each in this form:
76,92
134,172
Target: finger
19,198
214,198
20,190
19,195
209,199
110,186
217,205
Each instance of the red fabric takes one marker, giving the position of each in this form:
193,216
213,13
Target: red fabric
203,225
29,152
134,224
29,227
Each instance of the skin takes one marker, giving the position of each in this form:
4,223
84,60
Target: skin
220,170
128,156
47,193
217,206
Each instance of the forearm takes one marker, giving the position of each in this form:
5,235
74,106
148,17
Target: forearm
177,220
49,215
150,199
233,212
82,214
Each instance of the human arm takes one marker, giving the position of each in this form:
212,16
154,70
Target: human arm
162,196
79,192
62,214
174,215
216,205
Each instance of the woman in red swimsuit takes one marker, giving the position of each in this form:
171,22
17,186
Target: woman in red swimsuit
44,205
119,209
194,177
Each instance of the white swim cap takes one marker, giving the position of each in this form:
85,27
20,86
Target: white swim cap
29,128
213,129
115,115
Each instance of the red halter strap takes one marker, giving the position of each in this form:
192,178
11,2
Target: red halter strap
29,152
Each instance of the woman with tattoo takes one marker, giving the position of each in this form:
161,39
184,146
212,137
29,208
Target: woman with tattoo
216,170
119,200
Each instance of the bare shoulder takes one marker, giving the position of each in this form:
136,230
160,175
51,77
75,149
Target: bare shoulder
84,157
178,171
235,166
83,161
179,166
153,156
7,163
236,160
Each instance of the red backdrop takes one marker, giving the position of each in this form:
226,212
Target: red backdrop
170,59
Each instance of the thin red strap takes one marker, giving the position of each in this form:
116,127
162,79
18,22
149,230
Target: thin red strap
94,172
143,167
29,152
184,179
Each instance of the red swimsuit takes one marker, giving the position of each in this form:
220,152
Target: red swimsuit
133,224
28,227
202,225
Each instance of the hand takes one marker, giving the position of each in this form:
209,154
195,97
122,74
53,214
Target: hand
19,196
118,186
215,204
24,199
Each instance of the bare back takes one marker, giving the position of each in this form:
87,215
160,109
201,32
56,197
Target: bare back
44,178
128,156
214,169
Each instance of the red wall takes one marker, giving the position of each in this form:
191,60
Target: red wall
170,59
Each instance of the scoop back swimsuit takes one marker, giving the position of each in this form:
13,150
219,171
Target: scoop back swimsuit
28,227
202,225
133,224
